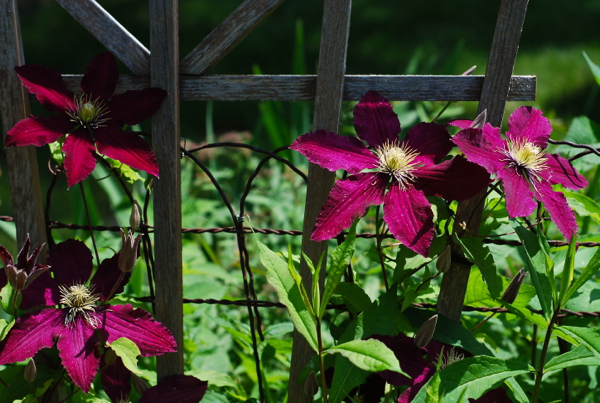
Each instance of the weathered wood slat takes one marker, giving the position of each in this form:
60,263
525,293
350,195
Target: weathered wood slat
227,35
164,63
302,88
110,33
23,176
496,87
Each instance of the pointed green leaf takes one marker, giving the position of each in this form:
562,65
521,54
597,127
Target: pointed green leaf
594,67
585,335
479,254
538,320
590,270
583,205
128,351
369,355
355,298
580,355
568,269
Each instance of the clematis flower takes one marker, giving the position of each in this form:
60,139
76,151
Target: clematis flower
397,173
79,324
526,171
91,121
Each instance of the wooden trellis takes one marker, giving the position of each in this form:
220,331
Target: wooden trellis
184,79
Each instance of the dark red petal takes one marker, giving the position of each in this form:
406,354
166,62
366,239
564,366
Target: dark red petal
375,121
463,124
411,360
409,216
3,279
332,151
78,349
22,256
126,147
519,199
526,124
71,262
5,256
151,337
430,140
80,156
556,203
31,333
107,275
133,107
559,170
455,179
42,292
38,131
497,395
116,381
477,149
176,388
348,200
101,76
47,85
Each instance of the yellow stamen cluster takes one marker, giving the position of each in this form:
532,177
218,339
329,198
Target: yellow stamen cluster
88,112
81,301
527,158
398,161
452,357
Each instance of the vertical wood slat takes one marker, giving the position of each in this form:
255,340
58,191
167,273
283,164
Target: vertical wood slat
328,103
164,73
503,55
23,173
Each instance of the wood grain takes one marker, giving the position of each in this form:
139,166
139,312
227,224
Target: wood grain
110,33
164,64
227,35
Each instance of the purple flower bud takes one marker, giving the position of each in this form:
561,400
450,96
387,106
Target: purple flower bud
512,291
129,251
30,371
134,218
25,271
139,384
311,386
425,333
444,260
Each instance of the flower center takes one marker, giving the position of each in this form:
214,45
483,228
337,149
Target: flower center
81,301
452,357
398,161
88,112
527,158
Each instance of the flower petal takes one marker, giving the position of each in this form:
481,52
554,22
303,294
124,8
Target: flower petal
348,200
463,124
71,262
429,140
176,388
556,203
133,107
519,199
126,147
116,381
38,131
409,216
332,151
101,76
559,170
47,85
3,279
151,337
80,156
41,292
526,124
107,275
31,333
477,149
78,349
375,121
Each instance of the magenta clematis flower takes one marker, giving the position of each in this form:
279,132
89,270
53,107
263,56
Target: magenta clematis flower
91,121
79,324
399,173
521,164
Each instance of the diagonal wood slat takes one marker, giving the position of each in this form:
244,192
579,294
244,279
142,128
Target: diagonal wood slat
110,33
226,35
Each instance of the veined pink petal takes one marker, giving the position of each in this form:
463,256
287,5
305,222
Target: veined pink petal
526,124
375,121
116,381
41,292
463,124
133,107
519,198
559,170
126,147
80,156
79,352
101,76
409,216
556,203
38,131
493,137
107,275
30,333
47,85
332,151
430,140
348,200
71,262
478,150
176,388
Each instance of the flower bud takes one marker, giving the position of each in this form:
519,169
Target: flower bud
129,251
30,371
21,274
444,260
134,218
311,386
512,291
425,333
139,384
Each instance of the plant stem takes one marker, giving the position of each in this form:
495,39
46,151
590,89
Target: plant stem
540,370
15,298
321,362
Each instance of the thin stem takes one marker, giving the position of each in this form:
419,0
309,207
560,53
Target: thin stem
540,370
114,289
534,348
15,298
564,348
321,363
379,251
87,213
482,322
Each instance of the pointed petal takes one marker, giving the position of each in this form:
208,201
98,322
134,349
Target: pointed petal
375,121
332,151
556,203
519,198
41,292
101,76
348,199
38,131
454,179
5,256
409,216
47,85
463,124
107,275
477,149
176,388
126,147
22,256
429,140
116,381
71,262
79,352
559,170
526,124
133,107
80,156
31,333
151,337
3,279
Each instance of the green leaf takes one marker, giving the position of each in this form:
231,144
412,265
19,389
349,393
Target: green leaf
580,355
469,378
369,355
479,254
290,294
479,295
594,67
125,171
128,351
214,378
568,270
583,205
538,320
590,270
585,335
56,152
355,298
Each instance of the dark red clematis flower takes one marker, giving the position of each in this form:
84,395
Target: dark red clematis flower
401,173
91,121
78,323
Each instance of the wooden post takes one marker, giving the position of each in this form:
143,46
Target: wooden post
164,73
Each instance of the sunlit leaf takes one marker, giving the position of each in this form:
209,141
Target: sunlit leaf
369,355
